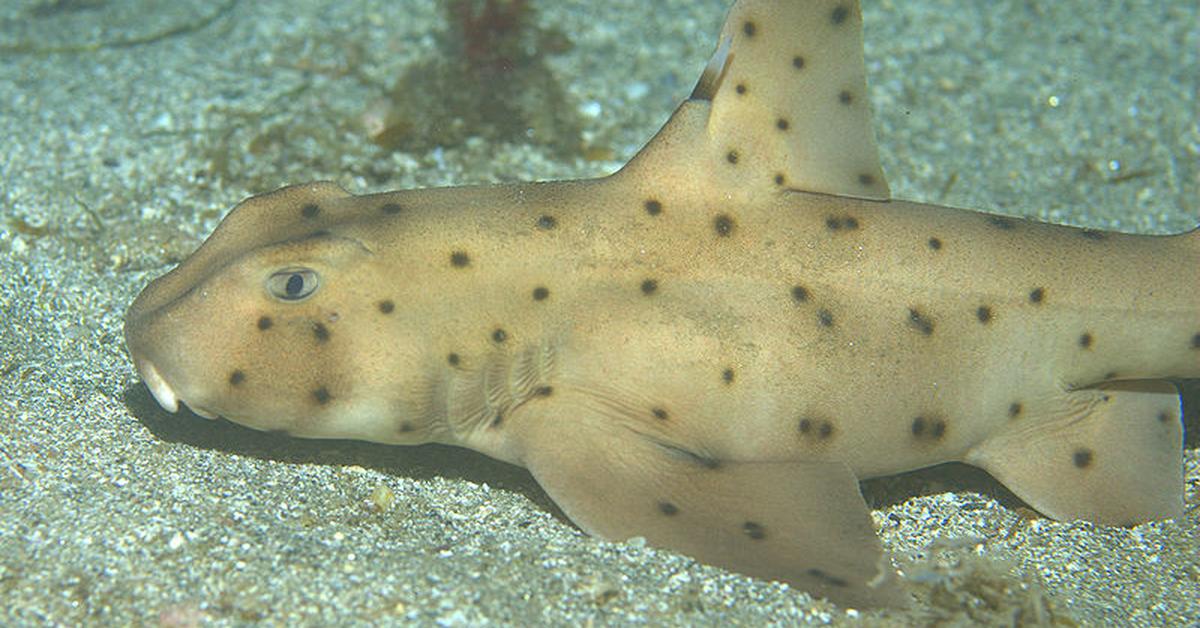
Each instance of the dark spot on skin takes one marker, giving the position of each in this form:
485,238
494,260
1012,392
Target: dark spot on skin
649,286
798,62
668,509
754,530
866,180
984,314
310,210
499,335
264,323
731,156
453,359
799,294
1109,375
845,97
835,223
1014,410
1082,458
659,414
839,15
236,377
390,208
782,124
540,293
825,317
497,420
741,88
653,207
1196,341
779,179
320,332
749,28
920,322
1085,341
820,428
723,225
546,223
1037,295
1092,234
727,376
321,395
544,391
459,259
1000,222
1165,417
405,427
387,307
935,244
932,429
827,578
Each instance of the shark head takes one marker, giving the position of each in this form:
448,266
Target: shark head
272,322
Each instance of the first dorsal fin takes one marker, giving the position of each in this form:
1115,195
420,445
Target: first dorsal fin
782,105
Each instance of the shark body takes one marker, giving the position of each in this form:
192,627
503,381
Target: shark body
711,347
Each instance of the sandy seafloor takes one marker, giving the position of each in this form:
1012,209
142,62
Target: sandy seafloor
119,156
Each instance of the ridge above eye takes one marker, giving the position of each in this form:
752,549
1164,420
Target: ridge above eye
293,284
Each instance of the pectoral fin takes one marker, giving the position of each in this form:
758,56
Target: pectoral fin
802,523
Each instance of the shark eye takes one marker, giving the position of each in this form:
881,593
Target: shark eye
293,284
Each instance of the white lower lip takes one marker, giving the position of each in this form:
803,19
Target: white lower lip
162,391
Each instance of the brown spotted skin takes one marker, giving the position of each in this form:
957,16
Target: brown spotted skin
712,346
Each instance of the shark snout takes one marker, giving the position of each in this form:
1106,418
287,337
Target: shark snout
164,393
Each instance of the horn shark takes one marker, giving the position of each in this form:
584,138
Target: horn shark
712,346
